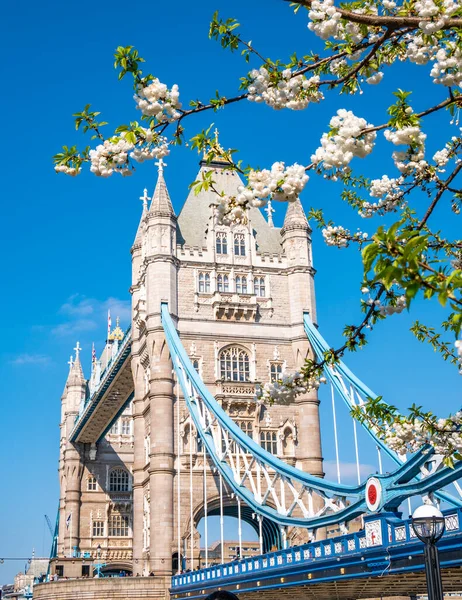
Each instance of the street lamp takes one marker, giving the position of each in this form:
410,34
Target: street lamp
428,525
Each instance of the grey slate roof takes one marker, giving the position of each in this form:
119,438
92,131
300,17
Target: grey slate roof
194,218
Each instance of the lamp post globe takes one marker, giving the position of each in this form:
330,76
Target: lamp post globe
428,525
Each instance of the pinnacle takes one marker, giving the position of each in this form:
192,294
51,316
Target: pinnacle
161,203
75,376
295,215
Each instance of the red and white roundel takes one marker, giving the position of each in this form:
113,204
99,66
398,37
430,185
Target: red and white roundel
373,494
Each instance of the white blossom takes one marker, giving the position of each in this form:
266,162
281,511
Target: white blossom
287,388
441,157
111,156
156,100
412,159
72,171
336,236
280,183
390,309
447,69
293,91
375,79
345,141
389,192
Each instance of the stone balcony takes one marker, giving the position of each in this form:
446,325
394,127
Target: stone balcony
230,306
235,388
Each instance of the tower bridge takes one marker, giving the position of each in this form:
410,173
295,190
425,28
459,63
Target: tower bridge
167,430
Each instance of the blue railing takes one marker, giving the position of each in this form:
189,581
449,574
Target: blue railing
390,532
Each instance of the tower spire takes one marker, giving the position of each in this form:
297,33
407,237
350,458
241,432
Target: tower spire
295,216
75,376
161,203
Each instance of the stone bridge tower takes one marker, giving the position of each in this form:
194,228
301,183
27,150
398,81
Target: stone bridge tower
237,296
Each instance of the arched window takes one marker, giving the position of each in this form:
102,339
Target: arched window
204,283
241,284
118,525
223,283
275,371
269,441
196,364
222,243
239,244
234,364
259,287
246,426
118,480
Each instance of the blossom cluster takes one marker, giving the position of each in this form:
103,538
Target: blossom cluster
280,183
409,435
390,194
344,141
419,49
286,389
336,236
438,13
153,147
447,69
326,22
156,100
391,309
412,159
292,91
111,156
67,170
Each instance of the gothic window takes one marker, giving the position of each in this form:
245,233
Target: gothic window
234,364
126,427
98,529
275,371
259,287
241,284
269,441
118,525
196,364
222,243
223,283
246,426
118,481
91,483
239,244
204,283
115,428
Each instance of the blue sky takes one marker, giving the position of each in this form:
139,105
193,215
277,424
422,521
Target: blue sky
65,242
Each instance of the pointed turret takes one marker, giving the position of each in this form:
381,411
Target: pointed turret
75,376
139,232
161,203
295,217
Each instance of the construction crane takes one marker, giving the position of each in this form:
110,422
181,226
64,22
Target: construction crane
50,527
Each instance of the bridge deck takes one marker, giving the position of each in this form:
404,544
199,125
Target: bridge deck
351,566
115,390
